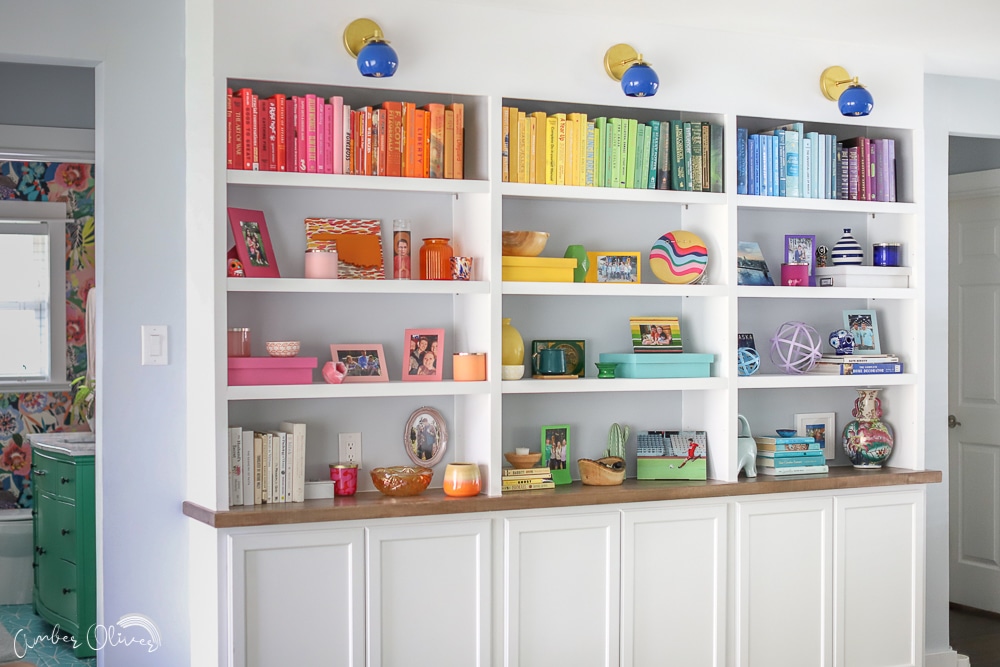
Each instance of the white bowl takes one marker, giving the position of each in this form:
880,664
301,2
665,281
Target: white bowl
512,372
282,348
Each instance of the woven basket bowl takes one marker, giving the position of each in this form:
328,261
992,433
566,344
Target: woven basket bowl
523,460
607,471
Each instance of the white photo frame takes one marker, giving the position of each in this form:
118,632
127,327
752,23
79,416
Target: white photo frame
823,427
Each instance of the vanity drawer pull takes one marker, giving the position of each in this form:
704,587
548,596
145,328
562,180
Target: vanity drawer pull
65,480
41,472
64,531
67,591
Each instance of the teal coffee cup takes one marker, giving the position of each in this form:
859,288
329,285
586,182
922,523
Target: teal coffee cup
550,361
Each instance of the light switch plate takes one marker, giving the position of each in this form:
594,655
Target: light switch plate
154,345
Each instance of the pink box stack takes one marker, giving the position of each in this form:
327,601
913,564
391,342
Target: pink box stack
271,370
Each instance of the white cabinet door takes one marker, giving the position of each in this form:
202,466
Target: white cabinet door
879,573
562,590
783,583
429,594
674,586
297,598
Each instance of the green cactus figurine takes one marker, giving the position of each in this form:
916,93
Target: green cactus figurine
617,438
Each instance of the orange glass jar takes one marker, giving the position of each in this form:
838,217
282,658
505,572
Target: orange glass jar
435,259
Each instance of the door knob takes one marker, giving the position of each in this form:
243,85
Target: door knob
952,422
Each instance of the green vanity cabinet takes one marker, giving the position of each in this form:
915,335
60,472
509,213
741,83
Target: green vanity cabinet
65,567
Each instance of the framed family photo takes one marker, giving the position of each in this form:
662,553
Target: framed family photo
656,334
863,327
801,249
823,427
614,267
423,355
426,437
555,452
253,243
365,362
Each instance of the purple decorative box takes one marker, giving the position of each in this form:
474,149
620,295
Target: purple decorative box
271,370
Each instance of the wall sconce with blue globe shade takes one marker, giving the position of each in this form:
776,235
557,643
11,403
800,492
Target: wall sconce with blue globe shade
364,40
852,98
623,63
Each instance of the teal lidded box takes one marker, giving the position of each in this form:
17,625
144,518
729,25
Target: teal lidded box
661,365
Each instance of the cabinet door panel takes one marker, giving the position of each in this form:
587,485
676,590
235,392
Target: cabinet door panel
784,581
428,594
298,599
562,590
879,596
674,586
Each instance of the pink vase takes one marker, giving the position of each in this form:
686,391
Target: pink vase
868,440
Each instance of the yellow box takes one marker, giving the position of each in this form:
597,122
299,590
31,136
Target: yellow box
538,269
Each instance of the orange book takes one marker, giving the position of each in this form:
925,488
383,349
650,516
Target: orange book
369,147
381,129
409,139
394,137
435,115
427,144
459,110
449,143
419,141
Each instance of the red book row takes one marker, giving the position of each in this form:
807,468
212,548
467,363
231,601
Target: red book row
305,133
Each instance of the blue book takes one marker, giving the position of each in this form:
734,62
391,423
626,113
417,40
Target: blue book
791,463
797,454
814,141
773,182
792,174
755,162
797,470
763,163
741,161
782,163
888,368
780,440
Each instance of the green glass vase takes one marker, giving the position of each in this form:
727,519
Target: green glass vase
579,253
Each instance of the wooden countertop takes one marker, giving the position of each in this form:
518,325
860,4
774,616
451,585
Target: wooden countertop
374,505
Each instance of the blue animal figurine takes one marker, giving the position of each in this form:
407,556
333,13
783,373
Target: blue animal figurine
842,341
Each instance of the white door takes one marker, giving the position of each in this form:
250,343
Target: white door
974,388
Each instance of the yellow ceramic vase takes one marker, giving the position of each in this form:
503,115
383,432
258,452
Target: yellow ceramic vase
513,344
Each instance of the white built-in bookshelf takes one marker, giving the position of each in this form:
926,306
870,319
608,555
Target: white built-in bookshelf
489,418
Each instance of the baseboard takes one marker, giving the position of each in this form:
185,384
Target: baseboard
944,659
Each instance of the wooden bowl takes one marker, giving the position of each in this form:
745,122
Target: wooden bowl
402,480
523,460
607,471
524,244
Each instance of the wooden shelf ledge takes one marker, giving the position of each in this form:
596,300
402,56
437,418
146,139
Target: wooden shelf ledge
374,505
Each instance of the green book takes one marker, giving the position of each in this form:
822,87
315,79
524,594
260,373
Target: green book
678,181
615,152
664,157
635,155
642,175
694,157
629,158
715,157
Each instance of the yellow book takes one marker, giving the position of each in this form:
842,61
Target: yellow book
505,147
561,152
522,147
581,136
539,149
512,146
551,149
569,171
532,155
449,143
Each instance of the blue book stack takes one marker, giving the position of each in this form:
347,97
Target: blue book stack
790,456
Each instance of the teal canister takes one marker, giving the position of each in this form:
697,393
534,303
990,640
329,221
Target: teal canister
579,253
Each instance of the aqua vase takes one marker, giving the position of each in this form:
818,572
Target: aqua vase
579,253
512,344
868,440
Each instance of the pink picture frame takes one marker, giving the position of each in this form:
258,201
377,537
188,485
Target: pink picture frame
423,355
365,362
253,243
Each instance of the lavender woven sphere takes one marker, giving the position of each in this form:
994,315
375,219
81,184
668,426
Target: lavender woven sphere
795,347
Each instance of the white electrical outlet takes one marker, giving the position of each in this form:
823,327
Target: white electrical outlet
350,448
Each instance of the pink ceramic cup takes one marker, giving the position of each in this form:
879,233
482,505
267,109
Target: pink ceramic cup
334,372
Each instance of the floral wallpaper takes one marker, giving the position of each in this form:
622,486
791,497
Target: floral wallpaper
23,414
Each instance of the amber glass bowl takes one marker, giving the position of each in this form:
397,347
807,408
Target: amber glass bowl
402,480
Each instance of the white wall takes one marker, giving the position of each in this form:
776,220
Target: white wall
137,49
961,106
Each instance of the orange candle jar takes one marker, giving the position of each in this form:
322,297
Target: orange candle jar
435,259
461,480
468,366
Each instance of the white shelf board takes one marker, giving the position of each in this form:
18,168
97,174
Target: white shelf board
610,289
835,205
286,179
355,390
590,385
778,292
578,192
357,286
781,381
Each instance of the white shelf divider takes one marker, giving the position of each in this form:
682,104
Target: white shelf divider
834,205
355,390
584,193
312,285
779,292
350,182
592,385
810,380
612,289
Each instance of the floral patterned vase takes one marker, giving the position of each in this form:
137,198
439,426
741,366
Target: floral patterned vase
868,440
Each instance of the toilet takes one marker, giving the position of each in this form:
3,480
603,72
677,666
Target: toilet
16,576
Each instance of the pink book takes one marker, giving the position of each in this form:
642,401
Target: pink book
320,137
347,139
310,133
328,137
290,144
300,134
337,104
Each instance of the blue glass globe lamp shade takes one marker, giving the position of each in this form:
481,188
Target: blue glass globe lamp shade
640,80
851,97
377,59
856,101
